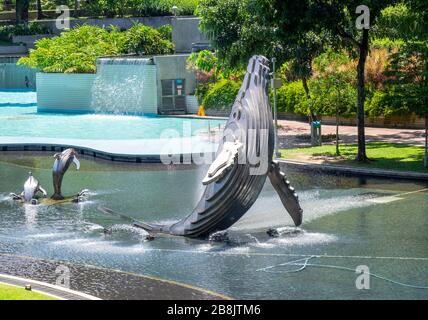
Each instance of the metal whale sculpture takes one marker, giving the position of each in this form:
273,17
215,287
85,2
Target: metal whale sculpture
31,188
243,161
60,167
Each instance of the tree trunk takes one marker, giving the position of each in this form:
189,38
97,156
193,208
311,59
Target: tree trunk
426,141
337,125
22,7
40,14
76,8
364,49
7,5
306,88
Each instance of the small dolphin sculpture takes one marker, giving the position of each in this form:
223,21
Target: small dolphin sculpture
243,161
31,188
61,165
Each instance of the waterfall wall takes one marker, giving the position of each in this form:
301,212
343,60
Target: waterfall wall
125,85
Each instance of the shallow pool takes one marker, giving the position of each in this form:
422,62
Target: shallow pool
348,222
19,118
17,97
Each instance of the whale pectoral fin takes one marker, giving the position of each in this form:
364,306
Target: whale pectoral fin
76,162
224,160
286,193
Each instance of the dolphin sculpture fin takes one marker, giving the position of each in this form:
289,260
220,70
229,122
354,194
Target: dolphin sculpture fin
286,193
76,162
43,191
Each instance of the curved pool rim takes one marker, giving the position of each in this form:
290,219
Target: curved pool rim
137,151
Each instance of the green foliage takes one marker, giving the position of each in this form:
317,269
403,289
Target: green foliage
221,95
204,60
408,89
6,32
398,22
333,89
76,51
15,293
144,40
236,29
392,156
162,7
108,8
166,31
112,8
201,91
291,97
388,43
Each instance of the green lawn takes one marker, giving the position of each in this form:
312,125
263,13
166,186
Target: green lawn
390,156
15,293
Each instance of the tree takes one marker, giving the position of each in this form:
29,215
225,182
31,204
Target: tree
275,27
22,7
409,66
7,5
239,29
40,14
334,80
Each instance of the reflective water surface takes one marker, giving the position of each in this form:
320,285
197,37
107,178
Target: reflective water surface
348,222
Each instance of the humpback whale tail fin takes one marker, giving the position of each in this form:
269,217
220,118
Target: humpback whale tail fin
286,193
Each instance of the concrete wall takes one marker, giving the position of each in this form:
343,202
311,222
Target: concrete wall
62,92
185,32
28,41
75,92
13,76
13,50
174,67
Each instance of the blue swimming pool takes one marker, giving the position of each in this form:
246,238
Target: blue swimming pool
17,98
19,118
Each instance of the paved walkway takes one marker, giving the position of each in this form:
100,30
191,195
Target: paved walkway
294,134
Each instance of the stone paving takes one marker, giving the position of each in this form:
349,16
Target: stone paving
294,134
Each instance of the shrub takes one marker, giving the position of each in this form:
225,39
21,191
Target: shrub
221,95
389,102
76,51
111,8
325,97
163,7
166,31
291,97
142,39
8,31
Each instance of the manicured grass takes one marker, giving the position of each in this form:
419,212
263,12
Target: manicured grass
391,156
15,293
